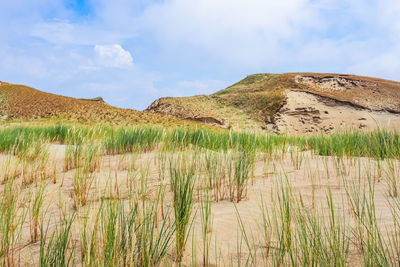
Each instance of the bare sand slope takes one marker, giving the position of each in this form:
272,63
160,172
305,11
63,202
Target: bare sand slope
304,113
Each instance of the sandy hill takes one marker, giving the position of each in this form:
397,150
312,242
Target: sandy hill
23,102
294,103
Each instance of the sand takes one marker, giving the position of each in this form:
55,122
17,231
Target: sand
311,180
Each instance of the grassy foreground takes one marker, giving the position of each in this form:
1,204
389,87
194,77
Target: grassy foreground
148,196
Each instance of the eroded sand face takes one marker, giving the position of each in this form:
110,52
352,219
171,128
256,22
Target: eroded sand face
305,113
311,179
332,82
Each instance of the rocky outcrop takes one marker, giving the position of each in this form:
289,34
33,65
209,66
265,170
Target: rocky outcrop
98,99
340,83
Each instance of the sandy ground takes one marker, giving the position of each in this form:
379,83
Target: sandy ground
311,180
307,113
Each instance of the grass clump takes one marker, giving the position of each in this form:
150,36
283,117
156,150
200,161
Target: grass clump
56,250
206,226
297,235
378,144
240,166
12,217
82,181
36,210
132,139
182,183
126,237
215,176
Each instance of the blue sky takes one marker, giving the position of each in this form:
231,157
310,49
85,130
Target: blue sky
131,52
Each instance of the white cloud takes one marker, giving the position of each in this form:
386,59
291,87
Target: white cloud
113,56
235,30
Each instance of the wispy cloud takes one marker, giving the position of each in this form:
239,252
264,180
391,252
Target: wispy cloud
113,56
242,32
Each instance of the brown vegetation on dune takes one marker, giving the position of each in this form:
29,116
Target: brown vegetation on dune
23,102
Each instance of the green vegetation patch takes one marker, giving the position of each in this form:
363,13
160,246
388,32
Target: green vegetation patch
377,144
250,83
261,106
116,140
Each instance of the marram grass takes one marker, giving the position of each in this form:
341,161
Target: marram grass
196,168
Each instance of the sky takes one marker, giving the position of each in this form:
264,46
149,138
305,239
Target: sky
132,52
